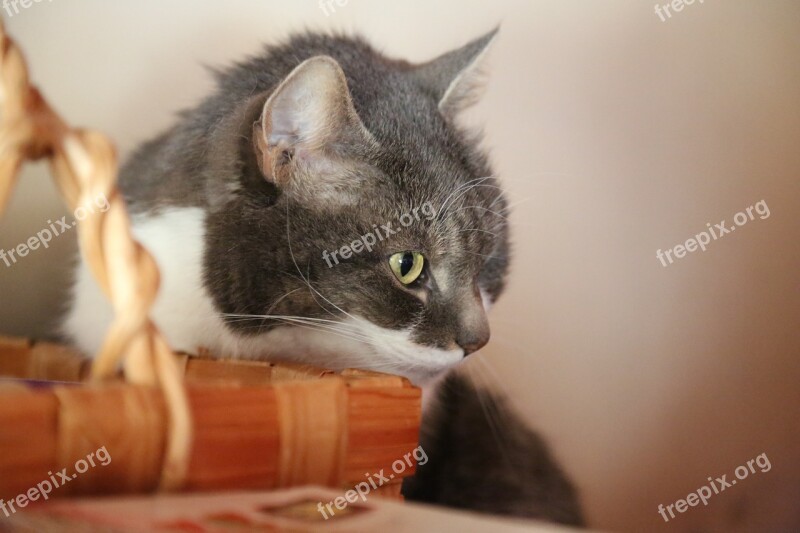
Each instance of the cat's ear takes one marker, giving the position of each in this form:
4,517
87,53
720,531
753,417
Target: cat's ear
456,78
307,122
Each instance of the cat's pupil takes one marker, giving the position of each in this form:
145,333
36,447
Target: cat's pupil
406,263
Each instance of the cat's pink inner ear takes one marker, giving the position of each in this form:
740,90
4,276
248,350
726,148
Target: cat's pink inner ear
263,156
310,110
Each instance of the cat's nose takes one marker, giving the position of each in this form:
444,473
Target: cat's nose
473,325
473,340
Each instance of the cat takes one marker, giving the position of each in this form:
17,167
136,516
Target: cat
324,206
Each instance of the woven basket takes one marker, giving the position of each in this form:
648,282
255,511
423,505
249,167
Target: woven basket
169,421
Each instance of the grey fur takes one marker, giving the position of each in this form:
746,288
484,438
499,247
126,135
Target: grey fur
414,153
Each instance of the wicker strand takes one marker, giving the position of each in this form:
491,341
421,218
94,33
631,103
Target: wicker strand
84,166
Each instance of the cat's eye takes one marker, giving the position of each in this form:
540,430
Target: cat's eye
407,266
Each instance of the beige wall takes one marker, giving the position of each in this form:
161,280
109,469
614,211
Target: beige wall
618,134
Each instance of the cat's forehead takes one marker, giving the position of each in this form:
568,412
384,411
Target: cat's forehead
459,222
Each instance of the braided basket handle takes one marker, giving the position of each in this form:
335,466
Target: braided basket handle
84,165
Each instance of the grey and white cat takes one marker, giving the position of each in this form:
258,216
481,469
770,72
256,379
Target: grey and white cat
305,149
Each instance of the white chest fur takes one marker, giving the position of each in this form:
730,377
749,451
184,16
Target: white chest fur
183,309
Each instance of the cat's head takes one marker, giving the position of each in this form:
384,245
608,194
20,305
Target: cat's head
366,229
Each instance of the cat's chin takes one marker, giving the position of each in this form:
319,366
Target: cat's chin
427,380
368,347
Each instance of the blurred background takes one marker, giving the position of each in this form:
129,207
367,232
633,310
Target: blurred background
617,134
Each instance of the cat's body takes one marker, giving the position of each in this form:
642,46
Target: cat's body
305,149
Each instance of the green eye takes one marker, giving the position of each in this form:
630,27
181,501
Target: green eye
407,266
